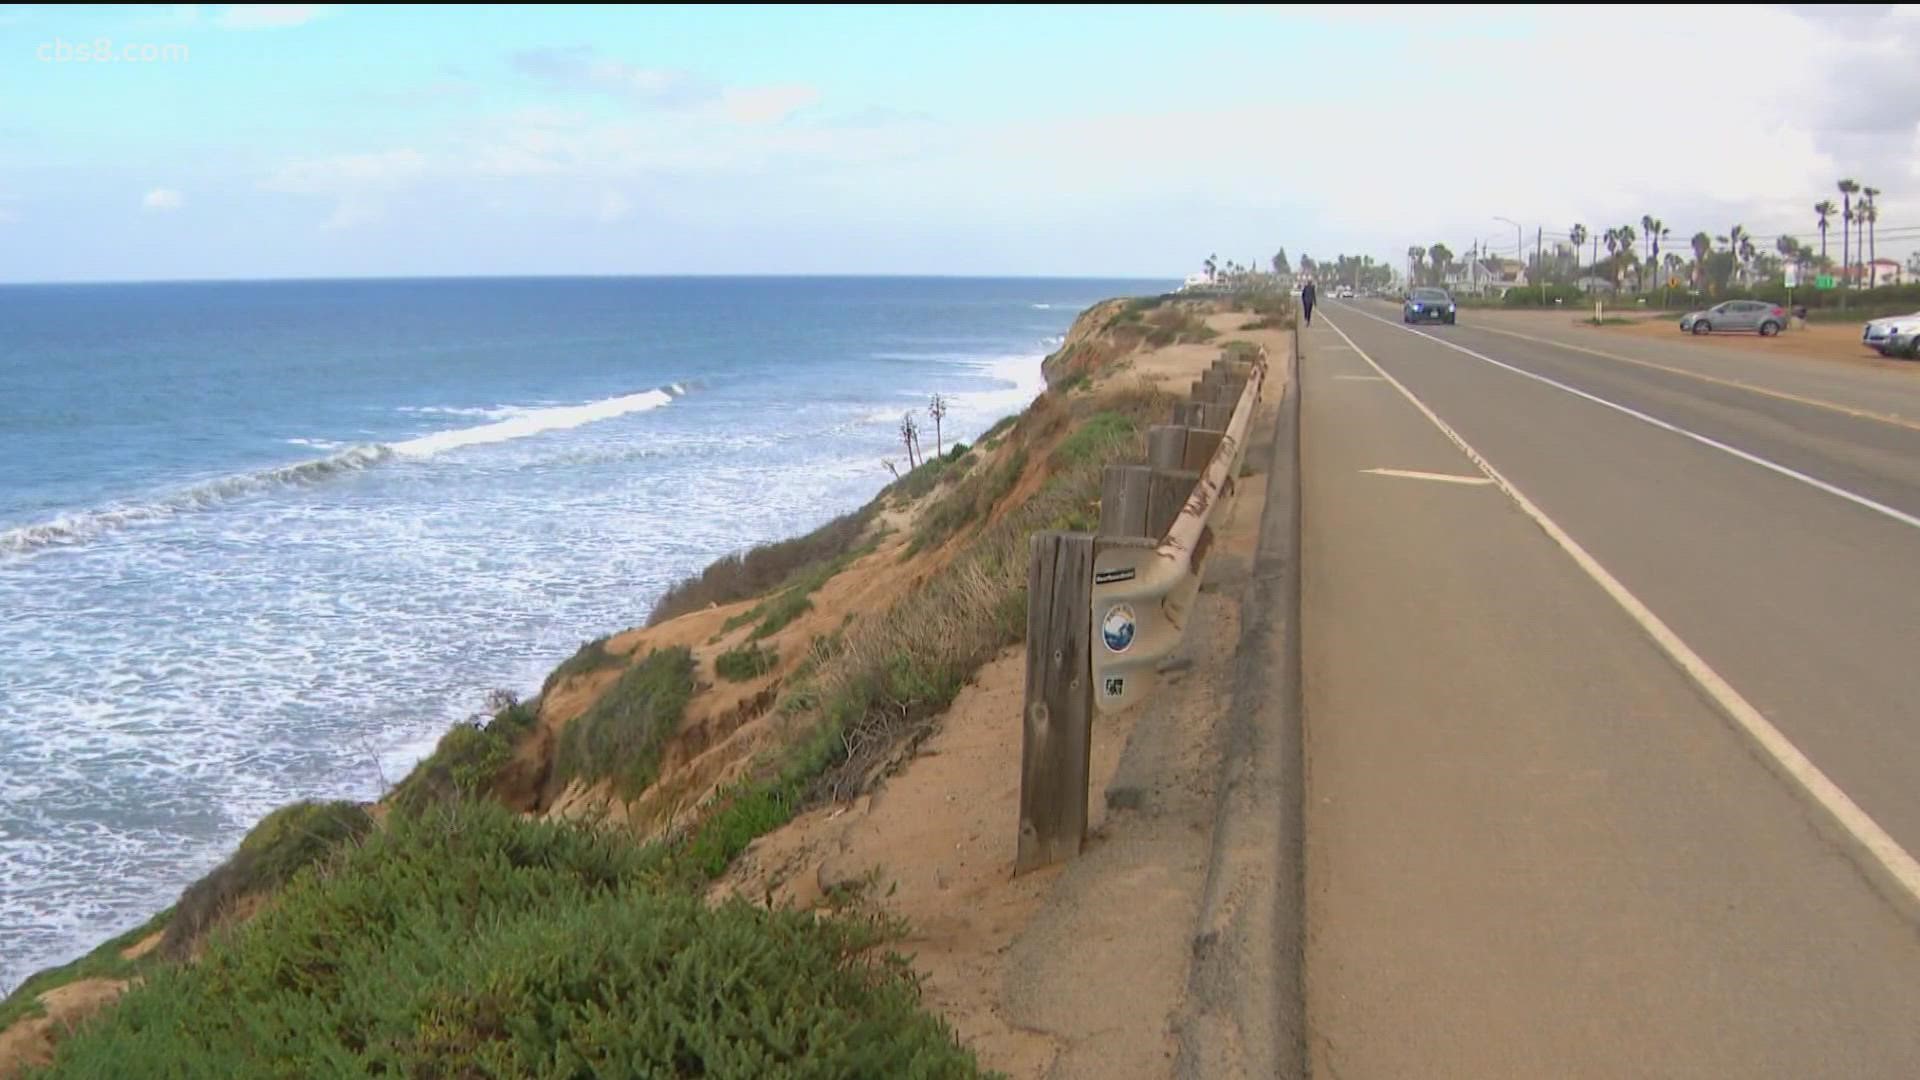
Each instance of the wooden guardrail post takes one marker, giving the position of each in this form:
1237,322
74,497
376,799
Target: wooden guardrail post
1057,728
1167,446
1167,491
1201,444
1123,500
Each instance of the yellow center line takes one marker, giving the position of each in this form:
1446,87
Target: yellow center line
1862,414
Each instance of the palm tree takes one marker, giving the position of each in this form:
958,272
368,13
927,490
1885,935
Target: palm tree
1673,264
1789,249
1441,258
1871,210
1736,236
1650,231
1847,190
1625,258
1213,265
1416,255
1577,234
1702,247
1825,209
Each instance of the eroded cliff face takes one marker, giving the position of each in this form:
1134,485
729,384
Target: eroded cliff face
1109,331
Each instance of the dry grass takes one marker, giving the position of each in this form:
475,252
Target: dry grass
760,569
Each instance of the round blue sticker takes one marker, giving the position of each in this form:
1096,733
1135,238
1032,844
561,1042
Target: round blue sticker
1117,628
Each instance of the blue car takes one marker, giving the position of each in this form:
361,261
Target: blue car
1428,305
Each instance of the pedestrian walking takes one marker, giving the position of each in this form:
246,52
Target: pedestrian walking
1306,301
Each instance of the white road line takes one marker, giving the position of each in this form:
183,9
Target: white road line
1835,490
1894,419
1442,477
1874,840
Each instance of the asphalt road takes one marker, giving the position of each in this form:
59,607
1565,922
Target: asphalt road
1598,755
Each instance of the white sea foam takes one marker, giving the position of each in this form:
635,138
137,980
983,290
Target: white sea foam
532,422
76,528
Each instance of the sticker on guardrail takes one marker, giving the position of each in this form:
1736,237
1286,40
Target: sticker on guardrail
1116,630
1113,577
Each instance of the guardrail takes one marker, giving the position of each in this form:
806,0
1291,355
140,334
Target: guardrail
1103,610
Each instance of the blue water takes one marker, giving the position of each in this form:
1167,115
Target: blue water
265,541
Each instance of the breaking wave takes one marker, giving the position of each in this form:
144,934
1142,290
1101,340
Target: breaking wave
70,529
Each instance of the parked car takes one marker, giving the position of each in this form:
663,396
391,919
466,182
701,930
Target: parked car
1344,292
1904,343
1428,305
1736,315
1879,334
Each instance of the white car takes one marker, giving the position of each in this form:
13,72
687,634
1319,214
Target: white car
1878,334
1344,292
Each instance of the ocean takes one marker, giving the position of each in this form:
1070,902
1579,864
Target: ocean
266,541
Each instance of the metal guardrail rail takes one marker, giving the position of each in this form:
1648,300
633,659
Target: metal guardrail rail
1103,611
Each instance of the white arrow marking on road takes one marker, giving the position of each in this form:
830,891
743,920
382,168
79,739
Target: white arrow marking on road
1442,477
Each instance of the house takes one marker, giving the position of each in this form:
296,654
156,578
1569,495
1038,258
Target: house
1883,272
1486,275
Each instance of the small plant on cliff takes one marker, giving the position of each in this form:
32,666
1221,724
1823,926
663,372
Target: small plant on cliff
746,662
1093,436
592,656
620,737
937,409
469,757
753,573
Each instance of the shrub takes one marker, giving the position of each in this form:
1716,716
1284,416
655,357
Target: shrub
284,842
917,482
592,656
746,662
776,613
470,942
468,758
968,504
620,737
1000,427
1091,437
739,576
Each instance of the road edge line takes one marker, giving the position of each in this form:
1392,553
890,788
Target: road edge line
1895,866
1242,995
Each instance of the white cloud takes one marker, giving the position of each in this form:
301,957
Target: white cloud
766,104
163,200
613,207
358,184
273,16
581,68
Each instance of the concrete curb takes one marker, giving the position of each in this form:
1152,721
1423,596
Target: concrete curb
1245,1013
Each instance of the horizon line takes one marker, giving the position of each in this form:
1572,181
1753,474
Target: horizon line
71,282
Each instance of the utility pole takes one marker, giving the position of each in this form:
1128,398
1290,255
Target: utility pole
1540,261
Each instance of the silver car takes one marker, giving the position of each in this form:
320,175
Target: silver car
1736,315
1904,344
1878,335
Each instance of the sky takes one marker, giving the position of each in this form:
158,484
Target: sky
272,141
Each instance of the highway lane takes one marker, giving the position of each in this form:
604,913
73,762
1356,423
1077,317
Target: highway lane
1807,603
1535,845
1869,383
